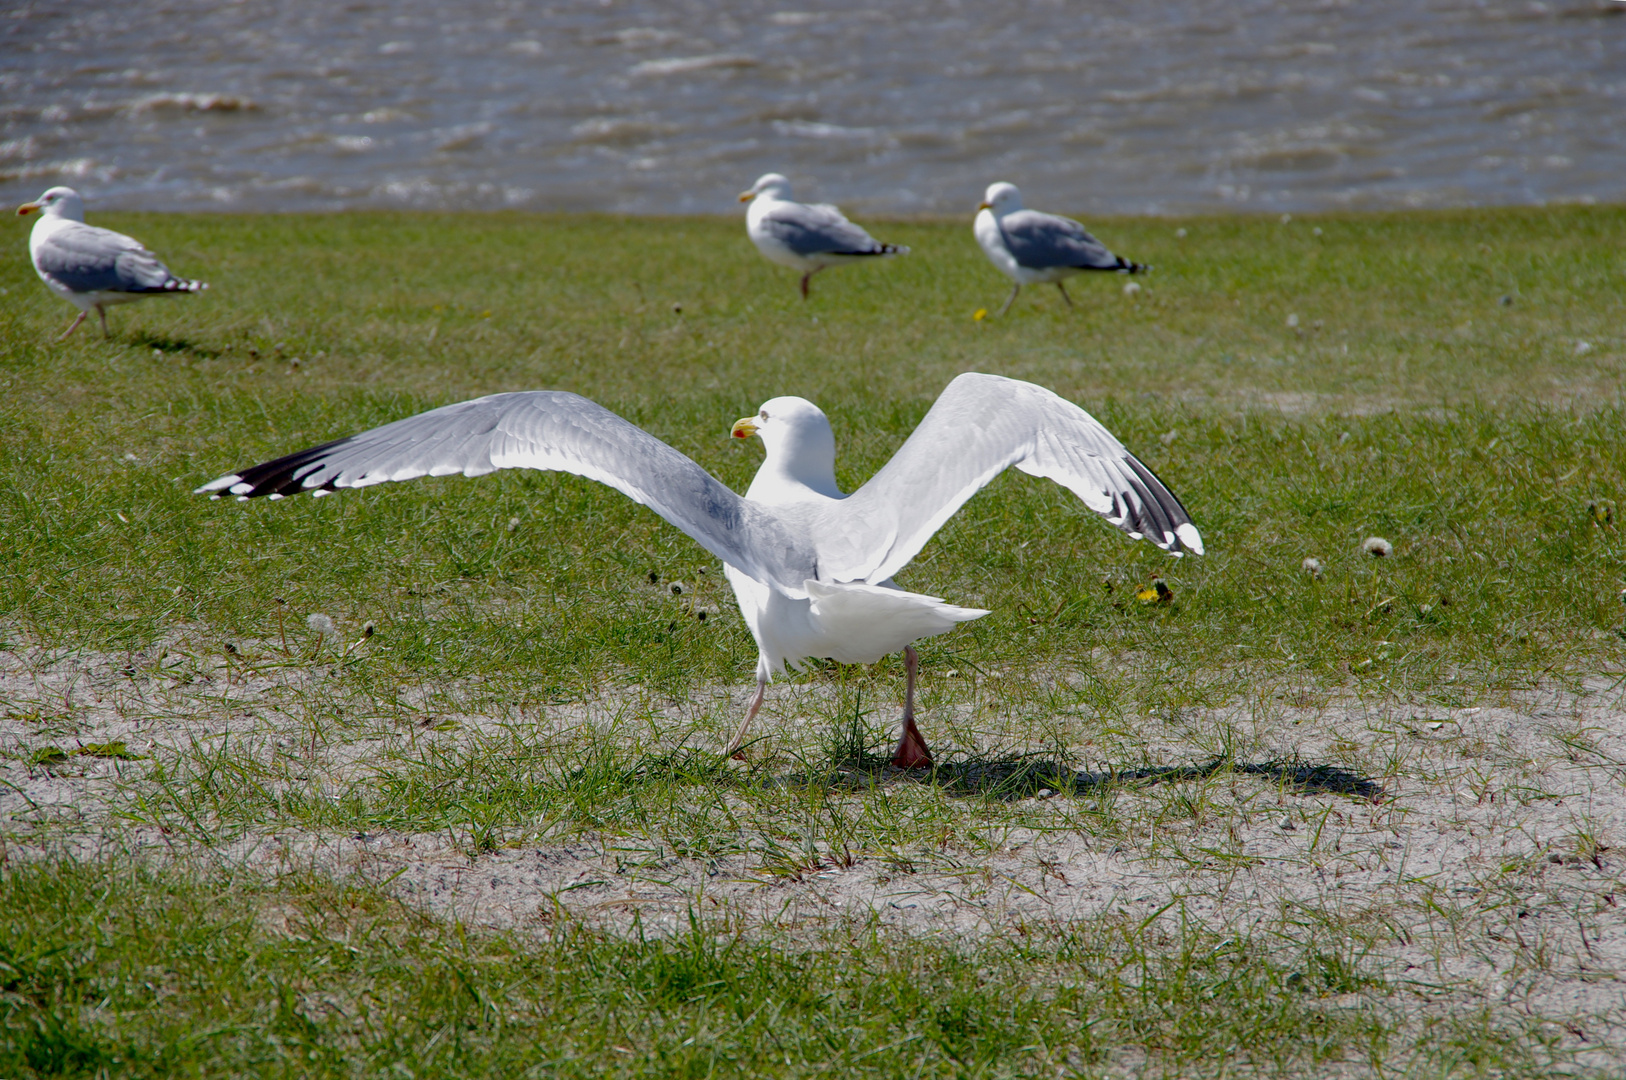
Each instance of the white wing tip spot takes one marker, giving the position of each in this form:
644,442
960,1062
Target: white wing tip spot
217,484
1190,538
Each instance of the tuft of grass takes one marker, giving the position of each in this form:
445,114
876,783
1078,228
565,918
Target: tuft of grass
140,972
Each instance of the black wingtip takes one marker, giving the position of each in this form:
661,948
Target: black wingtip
1164,519
284,475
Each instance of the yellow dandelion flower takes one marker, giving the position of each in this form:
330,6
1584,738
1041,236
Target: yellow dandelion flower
1155,592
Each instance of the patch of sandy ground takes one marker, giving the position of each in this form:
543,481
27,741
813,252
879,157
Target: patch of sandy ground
1492,860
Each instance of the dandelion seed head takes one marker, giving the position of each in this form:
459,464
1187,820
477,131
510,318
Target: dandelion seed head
1292,320
1316,231
317,623
1180,233
1377,547
1582,348
513,523
1132,288
1311,565
1168,437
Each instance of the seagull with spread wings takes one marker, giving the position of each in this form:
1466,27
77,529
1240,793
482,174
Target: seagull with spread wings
90,267
811,567
805,237
1032,248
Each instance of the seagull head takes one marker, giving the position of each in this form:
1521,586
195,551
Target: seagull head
767,184
1001,198
63,202
799,443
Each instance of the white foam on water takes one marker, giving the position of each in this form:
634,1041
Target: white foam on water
638,107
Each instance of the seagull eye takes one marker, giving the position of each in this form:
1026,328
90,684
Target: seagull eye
763,414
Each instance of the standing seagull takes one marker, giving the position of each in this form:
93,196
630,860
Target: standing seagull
1032,248
803,237
811,567
91,267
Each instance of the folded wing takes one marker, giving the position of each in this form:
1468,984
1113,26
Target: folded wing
981,425
1042,241
818,230
84,258
550,430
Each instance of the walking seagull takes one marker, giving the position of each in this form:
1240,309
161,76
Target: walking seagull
1032,248
811,567
803,237
89,267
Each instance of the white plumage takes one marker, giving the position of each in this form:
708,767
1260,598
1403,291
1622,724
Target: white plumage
90,267
1032,248
805,237
810,566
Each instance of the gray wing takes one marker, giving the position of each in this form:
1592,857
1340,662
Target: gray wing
819,230
553,430
88,259
981,425
1041,241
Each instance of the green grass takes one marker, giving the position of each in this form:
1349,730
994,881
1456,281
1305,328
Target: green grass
110,971
1470,434
1435,391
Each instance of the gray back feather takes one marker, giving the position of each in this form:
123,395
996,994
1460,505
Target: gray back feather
85,258
1041,241
818,230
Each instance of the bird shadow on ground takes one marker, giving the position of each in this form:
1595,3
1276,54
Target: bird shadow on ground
855,759
853,765
1021,776
146,339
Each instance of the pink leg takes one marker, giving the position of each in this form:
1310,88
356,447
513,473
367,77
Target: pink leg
1064,295
101,314
1011,299
73,326
804,283
911,752
734,750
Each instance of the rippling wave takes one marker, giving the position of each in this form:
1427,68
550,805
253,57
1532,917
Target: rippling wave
637,106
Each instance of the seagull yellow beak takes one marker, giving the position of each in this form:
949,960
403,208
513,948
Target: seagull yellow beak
744,428
985,206
27,208
745,196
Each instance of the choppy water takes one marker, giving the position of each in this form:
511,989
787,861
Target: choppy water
643,106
